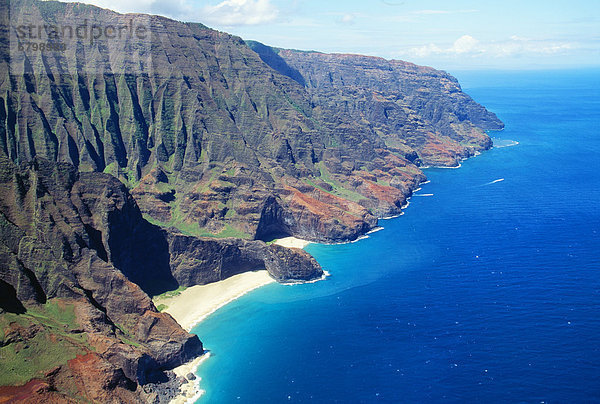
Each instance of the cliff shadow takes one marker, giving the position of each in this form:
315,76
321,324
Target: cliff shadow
271,57
142,255
271,225
8,299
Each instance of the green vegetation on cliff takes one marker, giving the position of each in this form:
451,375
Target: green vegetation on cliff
133,168
216,136
43,338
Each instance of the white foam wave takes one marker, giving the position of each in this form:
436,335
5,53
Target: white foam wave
392,217
375,230
363,237
322,278
191,391
450,168
500,143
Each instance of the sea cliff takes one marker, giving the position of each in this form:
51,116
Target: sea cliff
131,168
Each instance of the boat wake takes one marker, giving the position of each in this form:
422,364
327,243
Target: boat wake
492,182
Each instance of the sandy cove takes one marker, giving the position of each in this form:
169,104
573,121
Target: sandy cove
292,242
196,303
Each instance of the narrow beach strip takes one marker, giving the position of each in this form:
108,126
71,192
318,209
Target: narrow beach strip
193,305
196,303
292,242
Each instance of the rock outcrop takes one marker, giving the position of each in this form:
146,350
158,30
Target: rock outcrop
197,261
54,260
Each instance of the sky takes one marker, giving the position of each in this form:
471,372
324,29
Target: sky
448,34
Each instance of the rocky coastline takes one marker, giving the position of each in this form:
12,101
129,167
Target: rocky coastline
121,181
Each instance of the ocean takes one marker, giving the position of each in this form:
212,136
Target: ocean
487,289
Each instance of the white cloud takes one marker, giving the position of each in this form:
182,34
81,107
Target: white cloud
169,8
468,46
464,44
426,50
240,12
342,18
225,13
348,19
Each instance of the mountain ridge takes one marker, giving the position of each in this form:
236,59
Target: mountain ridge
216,114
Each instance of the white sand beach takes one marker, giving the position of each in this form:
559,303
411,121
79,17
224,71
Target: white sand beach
196,303
292,242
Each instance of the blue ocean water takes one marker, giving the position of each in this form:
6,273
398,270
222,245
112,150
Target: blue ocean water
488,290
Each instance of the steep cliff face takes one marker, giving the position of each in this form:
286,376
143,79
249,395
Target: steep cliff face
55,262
76,263
132,165
77,312
216,139
220,259
416,110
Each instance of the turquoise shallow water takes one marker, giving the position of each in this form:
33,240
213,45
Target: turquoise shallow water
486,290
